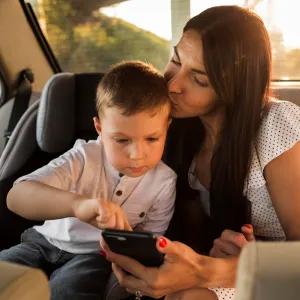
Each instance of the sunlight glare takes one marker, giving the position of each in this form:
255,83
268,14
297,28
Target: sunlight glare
151,15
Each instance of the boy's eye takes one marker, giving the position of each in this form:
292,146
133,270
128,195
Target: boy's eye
121,141
152,140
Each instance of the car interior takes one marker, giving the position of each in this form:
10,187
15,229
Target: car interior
48,80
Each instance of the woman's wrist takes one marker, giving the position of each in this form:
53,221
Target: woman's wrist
217,272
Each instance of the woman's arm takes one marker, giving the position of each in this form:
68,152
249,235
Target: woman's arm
193,294
282,175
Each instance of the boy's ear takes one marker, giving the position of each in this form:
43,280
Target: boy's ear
97,124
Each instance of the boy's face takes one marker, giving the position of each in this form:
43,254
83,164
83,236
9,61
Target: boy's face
133,144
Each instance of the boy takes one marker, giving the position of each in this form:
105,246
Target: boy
117,181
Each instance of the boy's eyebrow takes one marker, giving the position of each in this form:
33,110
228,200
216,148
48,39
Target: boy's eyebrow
194,70
150,134
119,133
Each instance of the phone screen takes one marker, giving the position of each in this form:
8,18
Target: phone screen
140,246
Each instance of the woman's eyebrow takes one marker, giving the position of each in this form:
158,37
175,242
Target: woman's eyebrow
199,72
194,70
176,52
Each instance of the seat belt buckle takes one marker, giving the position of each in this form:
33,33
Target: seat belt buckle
7,133
25,74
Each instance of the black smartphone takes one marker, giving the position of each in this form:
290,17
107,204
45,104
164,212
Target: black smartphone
140,246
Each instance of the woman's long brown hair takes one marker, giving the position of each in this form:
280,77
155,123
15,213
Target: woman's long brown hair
237,58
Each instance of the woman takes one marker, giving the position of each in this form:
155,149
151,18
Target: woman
230,141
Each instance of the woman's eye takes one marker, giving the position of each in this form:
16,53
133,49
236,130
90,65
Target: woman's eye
200,83
176,63
152,140
121,141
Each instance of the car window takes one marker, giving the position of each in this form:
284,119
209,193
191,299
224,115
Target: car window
88,37
282,21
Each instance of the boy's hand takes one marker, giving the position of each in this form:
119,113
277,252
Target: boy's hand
101,214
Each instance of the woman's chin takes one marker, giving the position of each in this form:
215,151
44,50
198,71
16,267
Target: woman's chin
180,114
175,113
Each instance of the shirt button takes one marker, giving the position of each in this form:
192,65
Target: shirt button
119,193
142,215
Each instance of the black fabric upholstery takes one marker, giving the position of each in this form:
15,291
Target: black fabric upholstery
12,225
21,145
46,130
56,118
85,87
67,110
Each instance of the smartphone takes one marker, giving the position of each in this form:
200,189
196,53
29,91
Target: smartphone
140,246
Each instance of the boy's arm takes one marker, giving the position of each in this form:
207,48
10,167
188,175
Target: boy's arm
38,201
159,216
46,193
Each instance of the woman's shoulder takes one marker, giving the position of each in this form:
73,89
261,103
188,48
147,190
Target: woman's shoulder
277,111
279,130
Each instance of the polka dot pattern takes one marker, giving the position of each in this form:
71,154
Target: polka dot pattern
224,293
279,132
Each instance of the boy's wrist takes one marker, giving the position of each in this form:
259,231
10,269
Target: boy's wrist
76,201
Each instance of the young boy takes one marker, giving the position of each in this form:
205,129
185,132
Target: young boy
116,181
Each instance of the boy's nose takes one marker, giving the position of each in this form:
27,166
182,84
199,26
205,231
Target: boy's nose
137,152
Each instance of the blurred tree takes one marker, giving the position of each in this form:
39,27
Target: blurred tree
292,62
283,66
85,40
278,55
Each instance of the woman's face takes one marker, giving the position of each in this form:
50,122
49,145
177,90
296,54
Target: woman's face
189,87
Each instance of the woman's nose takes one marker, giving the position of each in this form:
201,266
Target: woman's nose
175,85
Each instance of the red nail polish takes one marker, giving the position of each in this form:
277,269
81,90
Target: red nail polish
162,242
247,226
103,253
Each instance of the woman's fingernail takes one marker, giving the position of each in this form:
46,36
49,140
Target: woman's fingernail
162,242
103,253
248,226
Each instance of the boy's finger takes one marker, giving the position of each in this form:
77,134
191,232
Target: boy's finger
126,223
119,221
104,212
111,223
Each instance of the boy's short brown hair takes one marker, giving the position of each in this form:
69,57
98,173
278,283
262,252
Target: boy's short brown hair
132,86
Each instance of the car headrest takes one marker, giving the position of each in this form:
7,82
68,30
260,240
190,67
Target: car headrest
66,110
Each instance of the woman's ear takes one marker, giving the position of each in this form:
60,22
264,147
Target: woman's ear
97,124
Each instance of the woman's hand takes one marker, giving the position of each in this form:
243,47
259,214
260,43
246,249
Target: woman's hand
182,269
231,243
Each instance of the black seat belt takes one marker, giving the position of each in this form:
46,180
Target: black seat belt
21,101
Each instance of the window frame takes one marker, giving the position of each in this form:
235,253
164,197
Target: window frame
36,29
